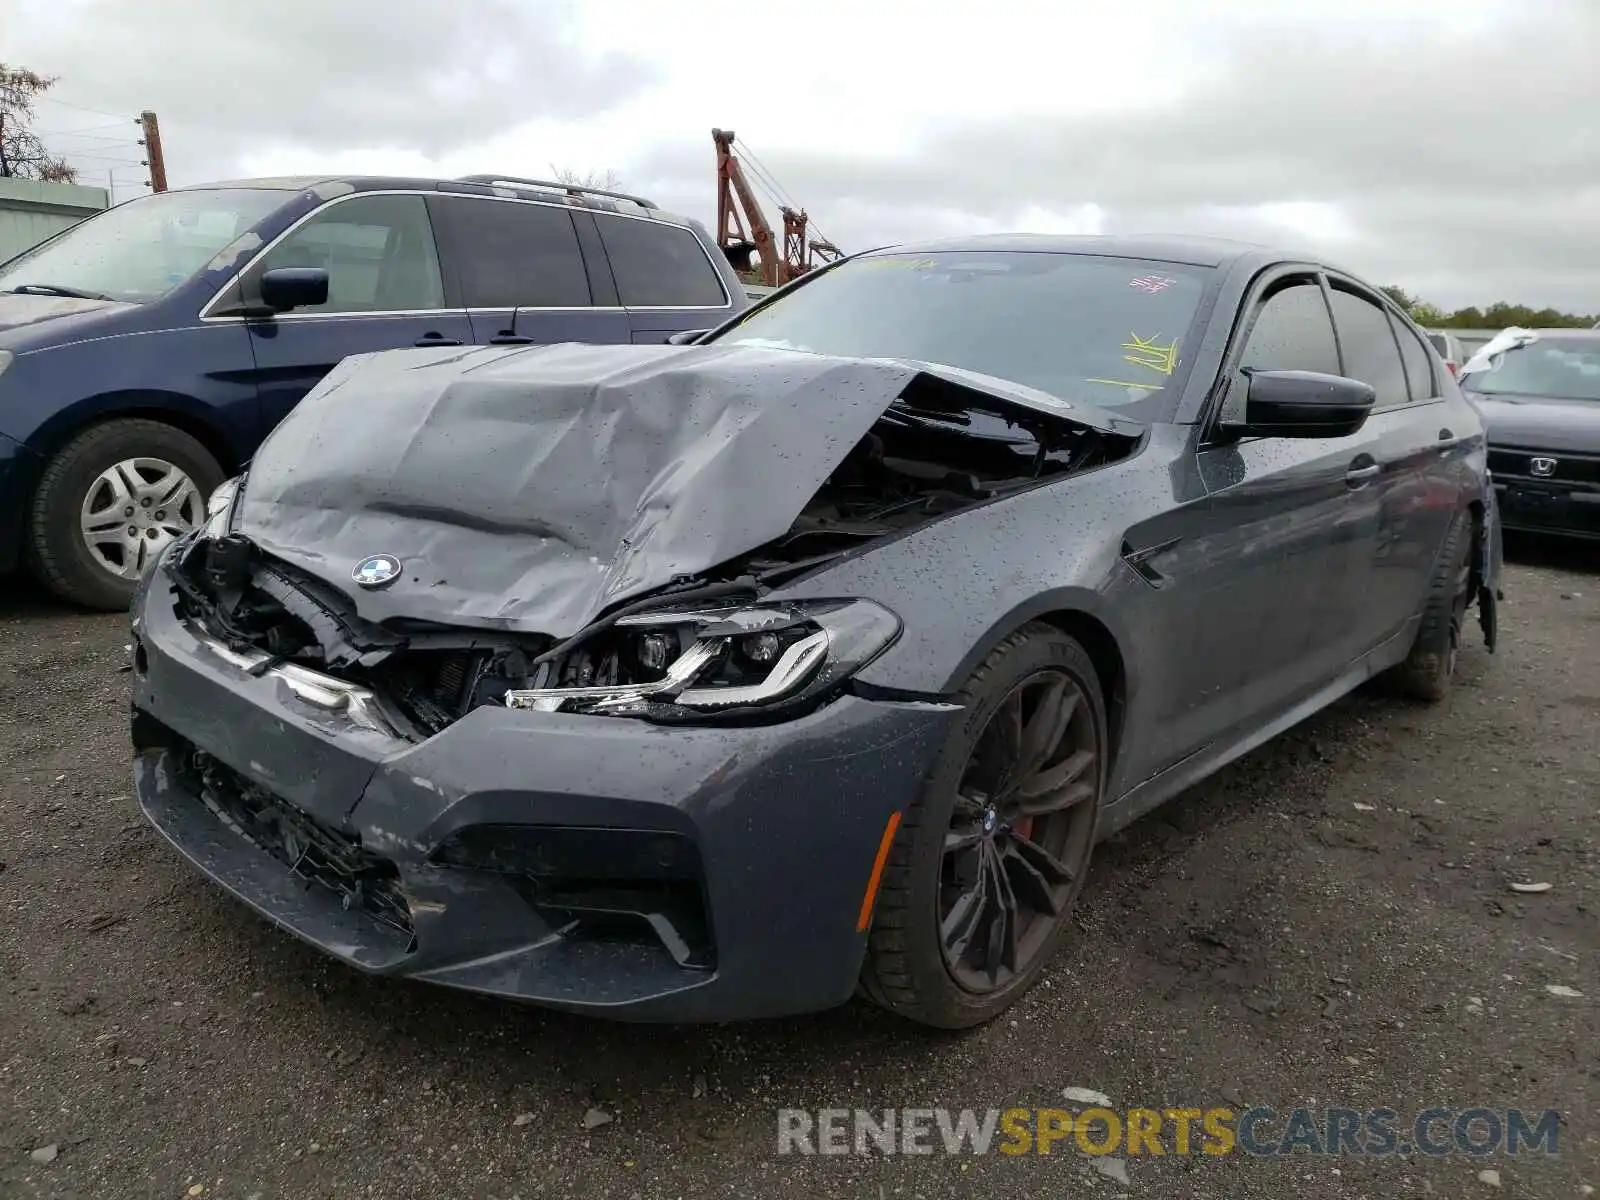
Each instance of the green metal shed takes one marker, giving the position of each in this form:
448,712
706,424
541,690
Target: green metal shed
31,212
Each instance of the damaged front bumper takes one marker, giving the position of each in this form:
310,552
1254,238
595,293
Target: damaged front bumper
596,864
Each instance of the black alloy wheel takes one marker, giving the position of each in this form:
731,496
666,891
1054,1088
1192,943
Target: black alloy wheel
986,862
1023,815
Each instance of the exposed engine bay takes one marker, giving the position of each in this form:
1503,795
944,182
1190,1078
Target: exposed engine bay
933,453
702,646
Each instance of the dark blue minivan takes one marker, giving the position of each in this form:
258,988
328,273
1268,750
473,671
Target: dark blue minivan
145,352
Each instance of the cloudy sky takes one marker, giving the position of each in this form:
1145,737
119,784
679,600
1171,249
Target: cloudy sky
1452,146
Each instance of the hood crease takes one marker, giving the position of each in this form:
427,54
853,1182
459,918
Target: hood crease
532,489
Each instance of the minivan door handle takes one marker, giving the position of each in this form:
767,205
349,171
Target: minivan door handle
436,339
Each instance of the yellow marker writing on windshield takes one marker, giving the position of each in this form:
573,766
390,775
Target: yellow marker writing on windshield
1149,353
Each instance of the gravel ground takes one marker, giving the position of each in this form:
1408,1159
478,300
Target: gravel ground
1329,922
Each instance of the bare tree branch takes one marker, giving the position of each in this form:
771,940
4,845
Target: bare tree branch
605,181
22,154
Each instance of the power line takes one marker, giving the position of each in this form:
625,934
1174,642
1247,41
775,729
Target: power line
99,112
92,139
95,132
126,162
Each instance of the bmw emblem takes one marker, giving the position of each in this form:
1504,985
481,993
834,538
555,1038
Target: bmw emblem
376,570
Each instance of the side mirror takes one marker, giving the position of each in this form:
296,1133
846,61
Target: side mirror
687,337
284,288
1302,404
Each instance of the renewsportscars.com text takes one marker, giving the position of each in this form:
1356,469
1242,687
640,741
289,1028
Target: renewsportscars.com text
1258,1131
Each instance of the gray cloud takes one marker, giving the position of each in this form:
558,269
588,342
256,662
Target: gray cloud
1466,164
330,74
1468,167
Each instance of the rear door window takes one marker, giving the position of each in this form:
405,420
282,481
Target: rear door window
1370,352
657,265
378,251
512,254
1418,362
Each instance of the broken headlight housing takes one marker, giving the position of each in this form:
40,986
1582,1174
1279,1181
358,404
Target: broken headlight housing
749,660
219,508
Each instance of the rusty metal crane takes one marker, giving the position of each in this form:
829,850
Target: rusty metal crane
744,234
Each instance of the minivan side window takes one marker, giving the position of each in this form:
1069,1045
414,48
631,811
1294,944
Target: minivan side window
657,265
1370,352
1292,332
1419,365
378,251
513,254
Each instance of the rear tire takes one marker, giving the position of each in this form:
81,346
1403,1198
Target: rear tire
997,818
1428,670
160,476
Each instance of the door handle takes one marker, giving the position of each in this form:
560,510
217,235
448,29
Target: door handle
1358,476
436,339
510,339
1446,436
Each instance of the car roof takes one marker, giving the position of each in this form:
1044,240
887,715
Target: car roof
1190,250
1568,333
326,187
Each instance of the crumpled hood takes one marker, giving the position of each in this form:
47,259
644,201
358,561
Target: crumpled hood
1540,423
18,312
534,488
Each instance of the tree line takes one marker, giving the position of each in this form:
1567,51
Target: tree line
1496,316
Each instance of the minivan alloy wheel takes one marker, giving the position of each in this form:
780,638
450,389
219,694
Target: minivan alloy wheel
134,509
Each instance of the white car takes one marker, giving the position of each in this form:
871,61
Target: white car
1450,349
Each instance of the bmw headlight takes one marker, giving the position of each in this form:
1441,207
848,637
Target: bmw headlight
721,661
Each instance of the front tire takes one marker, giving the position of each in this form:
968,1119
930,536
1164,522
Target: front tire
109,503
980,880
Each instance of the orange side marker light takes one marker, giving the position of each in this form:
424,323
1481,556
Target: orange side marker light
876,878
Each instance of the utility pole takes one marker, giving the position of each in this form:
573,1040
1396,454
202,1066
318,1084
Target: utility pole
152,147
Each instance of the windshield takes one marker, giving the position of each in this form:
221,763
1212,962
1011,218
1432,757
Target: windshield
141,250
1564,369
1101,331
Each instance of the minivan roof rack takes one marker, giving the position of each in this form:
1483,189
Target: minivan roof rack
572,189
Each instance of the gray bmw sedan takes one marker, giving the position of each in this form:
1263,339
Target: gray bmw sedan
813,656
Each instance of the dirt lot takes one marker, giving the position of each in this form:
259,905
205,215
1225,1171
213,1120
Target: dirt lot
1328,923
